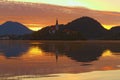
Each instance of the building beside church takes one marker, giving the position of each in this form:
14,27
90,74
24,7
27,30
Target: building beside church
55,28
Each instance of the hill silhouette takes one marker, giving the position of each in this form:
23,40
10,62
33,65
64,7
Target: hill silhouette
88,27
113,33
62,34
13,28
83,28
115,30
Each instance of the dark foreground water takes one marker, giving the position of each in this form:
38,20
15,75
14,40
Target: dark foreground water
59,60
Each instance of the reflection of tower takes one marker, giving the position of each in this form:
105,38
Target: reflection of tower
56,55
55,50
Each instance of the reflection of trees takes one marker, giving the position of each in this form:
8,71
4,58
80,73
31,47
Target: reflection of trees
114,47
85,53
81,52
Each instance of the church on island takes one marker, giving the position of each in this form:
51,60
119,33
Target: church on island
54,29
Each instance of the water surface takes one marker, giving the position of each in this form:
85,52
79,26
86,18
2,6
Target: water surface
61,60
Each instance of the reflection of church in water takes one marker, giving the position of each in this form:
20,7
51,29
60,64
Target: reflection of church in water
54,29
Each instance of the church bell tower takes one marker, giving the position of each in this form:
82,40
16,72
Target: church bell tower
57,26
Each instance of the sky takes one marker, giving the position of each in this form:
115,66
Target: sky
36,14
110,5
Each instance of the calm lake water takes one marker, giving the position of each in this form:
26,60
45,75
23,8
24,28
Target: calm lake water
59,60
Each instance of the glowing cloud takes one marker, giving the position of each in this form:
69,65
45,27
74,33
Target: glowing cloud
104,5
36,15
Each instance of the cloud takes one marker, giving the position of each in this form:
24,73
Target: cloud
34,13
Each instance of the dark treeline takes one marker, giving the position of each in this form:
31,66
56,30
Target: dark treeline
84,28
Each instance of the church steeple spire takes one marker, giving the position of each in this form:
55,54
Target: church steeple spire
57,26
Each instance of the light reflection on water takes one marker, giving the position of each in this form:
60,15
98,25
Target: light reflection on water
19,58
96,75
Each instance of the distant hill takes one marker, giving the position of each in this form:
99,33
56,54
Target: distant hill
88,27
13,28
115,30
61,34
84,28
113,33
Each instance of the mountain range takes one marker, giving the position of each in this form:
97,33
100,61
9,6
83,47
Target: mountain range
14,28
83,28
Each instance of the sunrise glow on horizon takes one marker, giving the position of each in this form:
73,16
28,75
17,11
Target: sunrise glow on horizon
35,17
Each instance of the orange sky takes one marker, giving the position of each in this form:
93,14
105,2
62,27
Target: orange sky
38,15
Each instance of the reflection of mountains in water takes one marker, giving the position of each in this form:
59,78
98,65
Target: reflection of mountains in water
81,52
12,49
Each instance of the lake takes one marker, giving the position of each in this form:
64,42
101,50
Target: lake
59,60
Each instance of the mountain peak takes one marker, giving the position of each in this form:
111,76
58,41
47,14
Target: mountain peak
86,20
13,28
12,23
89,27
